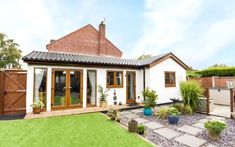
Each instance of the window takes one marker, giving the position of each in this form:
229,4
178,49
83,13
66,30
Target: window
40,85
114,79
169,79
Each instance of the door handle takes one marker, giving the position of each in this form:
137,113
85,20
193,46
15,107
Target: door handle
5,92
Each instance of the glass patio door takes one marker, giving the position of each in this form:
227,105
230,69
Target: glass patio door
91,88
66,88
75,88
59,88
130,86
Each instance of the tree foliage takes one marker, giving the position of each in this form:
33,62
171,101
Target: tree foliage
142,57
9,53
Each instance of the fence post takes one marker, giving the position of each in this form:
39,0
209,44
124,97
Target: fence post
208,101
231,99
1,92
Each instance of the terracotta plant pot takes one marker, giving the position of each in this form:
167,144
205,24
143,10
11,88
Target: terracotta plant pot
36,110
103,103
212,135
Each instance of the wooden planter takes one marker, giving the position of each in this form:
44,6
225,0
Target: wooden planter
36,110
103,103
132,126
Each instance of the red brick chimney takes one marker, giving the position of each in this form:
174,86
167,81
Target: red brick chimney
102,48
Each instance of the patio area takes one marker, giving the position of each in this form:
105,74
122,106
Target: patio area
189,131
79,111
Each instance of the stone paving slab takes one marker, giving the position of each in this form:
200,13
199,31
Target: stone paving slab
136,110
190,140
131,116
199,125
141,120
210,145
189,129
203,120
125,112
153,125
168,133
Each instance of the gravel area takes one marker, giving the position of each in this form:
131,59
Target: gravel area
227,137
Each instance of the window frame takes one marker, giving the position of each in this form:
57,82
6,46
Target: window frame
114,79
172,84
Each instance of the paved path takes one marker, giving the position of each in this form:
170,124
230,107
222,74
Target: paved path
185,135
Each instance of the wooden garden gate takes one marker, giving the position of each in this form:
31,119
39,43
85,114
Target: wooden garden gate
13,92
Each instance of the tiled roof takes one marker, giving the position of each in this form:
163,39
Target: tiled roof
37,56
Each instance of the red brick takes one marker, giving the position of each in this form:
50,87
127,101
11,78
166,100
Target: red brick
86,40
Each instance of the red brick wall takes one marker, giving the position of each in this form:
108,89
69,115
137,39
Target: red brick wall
85,41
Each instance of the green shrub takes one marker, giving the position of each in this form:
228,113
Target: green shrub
173,111
112,113
216,126
150,98
193,74
217,71
191,90
163,113
187,110
179,106
141,129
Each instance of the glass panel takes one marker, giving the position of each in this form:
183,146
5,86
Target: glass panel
167,78
60,87
91,87
75,86
118,78
131,84
172,78
110,77
40,77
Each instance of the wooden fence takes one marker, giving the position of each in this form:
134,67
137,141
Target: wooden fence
13,92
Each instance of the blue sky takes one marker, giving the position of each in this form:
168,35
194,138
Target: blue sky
199,32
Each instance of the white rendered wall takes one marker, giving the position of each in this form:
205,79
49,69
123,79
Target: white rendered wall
101,80
156,80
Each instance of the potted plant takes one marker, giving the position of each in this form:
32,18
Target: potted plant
141,129
150,97
103,96
37,106
214,128
173,115
132,126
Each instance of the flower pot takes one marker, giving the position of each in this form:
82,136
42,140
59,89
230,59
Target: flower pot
141,132
173,119
36,110
148,111
115,103
213,135
103,103
132,126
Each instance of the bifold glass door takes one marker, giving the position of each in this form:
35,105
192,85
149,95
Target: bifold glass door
66,88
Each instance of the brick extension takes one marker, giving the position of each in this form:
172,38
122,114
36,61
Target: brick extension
86,40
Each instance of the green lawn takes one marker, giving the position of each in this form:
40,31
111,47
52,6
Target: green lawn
67,131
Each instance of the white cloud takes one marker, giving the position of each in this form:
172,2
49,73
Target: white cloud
27,22
175,26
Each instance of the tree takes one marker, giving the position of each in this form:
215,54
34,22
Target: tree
218,66
9,53
142,57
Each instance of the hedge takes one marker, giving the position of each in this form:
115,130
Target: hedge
221,72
